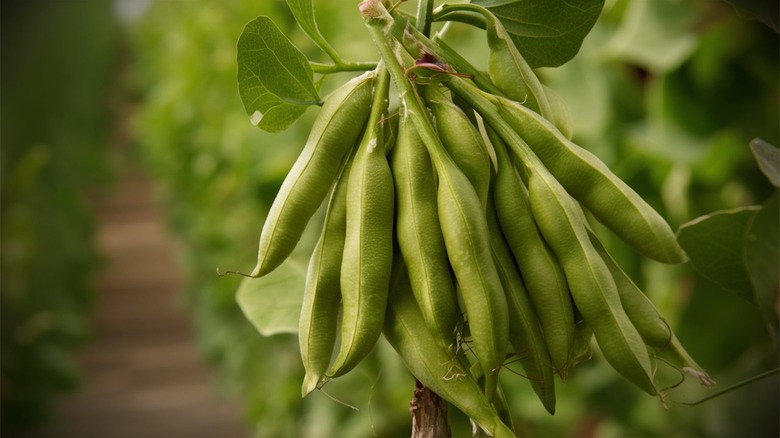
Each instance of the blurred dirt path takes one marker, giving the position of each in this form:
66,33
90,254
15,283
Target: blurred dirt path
143,374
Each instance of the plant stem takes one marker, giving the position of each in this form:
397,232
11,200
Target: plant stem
442,51
381,99
462,16
377,26
735,386
318,67
424,16
481,102
429,414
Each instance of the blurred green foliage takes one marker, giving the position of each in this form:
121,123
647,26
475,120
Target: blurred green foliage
56,72
668,93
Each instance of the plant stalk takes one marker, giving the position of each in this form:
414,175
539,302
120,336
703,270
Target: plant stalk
424,16
429,414
322,68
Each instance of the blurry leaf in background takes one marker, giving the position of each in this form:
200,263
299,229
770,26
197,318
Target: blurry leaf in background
762,260
272,303
766,11
547,32
768,159
274,78
714,244
656,34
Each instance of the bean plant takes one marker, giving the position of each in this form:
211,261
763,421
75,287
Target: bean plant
460,216
667,94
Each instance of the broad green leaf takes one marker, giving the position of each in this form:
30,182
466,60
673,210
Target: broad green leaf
766,11
656,34
272,303
547,32
275,80
270,113
303,10
714,244
768,159
762,260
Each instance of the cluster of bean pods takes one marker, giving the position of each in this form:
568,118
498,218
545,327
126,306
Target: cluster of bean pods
456,225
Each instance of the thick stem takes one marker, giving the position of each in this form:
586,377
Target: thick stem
378,21
429,414
441,50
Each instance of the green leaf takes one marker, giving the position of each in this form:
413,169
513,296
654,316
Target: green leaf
768,158
766,11
762,260
275,80
547,32
714,244
656,34
270,113
272,303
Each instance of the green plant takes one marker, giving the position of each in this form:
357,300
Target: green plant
666,94
576,179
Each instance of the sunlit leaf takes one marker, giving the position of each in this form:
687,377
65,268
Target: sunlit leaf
762,260
714,244
768,158
275,80
547,32
272,303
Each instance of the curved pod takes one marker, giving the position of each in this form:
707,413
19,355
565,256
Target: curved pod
368,252
592,183
433,365
542,273
592,286
318,321
337,127
419,236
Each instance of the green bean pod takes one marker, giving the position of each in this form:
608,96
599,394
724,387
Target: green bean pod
467,240
592,183
317,327
336,128
542,273
559,220
418,233
461,139
434,365
652,327
590,281
560,112
583,175
583,335
525,331
511,74
461,218
501,405
368,248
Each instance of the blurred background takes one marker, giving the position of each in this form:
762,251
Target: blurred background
130,173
